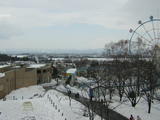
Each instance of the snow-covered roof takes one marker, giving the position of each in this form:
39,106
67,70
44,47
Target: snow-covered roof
72,70
22,56
3,66
2,75
57,59
36,65
16,67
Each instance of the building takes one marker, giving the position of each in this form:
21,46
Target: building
14,77
4,68
43,71
71,73
25,77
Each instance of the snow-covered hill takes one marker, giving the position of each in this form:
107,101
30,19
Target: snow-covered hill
52,106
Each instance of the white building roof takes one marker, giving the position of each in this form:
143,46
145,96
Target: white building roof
22,56
3,66
36,65
2,75
72,70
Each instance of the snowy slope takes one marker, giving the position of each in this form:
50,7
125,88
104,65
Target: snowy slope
52,106
26,93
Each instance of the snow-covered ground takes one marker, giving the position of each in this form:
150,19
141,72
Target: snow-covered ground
124,108
26,93
141,108
82,92
32,103
52,106
61,87
52,83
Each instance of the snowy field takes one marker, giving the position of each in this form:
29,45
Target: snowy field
52,106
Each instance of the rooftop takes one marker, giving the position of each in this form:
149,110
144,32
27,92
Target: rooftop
72,70
3,66
36,65
2,75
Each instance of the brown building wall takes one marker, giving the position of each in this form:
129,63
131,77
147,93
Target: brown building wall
2,87
25,77
17,78
10,80
7,83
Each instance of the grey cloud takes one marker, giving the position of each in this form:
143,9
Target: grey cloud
67,5
112,14
142,9
7,30
52,12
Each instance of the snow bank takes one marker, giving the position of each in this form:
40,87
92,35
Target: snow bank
26,93
61,88
73,89
52,83
82,79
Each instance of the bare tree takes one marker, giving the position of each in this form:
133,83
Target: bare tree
150,81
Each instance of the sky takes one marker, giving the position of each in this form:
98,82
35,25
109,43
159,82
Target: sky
70,24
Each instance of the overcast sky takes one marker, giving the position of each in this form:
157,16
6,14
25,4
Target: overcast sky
70,24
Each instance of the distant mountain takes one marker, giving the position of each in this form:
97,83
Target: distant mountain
53,51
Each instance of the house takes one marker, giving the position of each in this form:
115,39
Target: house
43,72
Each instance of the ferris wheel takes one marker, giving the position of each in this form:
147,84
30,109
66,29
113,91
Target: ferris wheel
145,39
